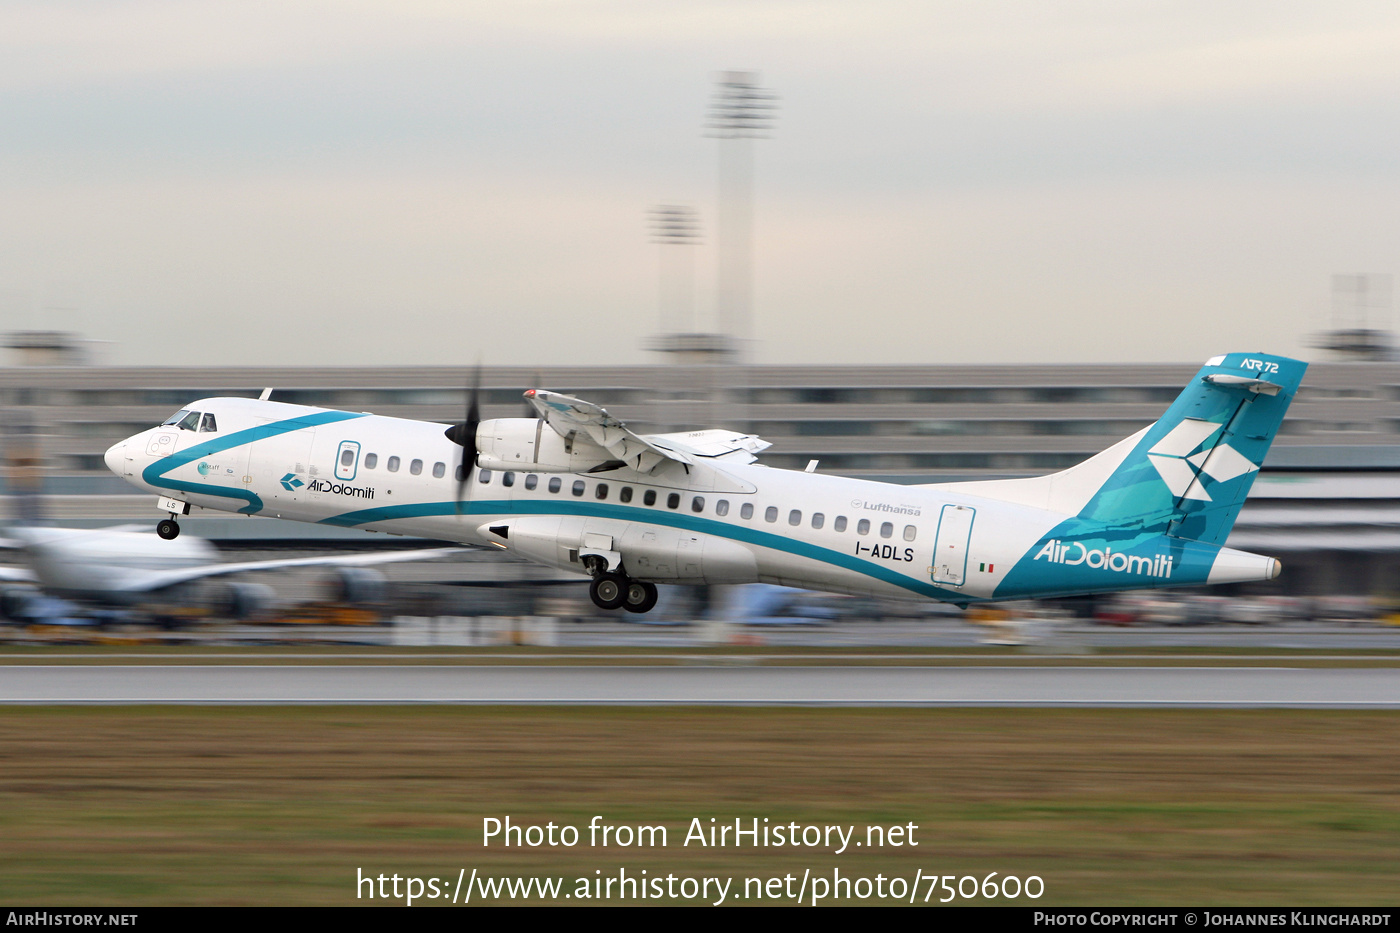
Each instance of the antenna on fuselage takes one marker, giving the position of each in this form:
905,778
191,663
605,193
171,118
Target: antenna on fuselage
266,394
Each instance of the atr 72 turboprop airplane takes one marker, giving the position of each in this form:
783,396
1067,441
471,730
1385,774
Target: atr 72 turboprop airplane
576,490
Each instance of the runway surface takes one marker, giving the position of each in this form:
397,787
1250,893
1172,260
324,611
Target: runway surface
705,684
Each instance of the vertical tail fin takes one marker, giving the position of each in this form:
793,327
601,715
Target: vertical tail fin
1188,475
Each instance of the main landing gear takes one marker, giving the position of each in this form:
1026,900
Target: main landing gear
168,528
616,591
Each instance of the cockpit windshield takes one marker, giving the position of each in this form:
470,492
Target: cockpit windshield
187,420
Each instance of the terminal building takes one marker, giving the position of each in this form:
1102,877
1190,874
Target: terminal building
1327,501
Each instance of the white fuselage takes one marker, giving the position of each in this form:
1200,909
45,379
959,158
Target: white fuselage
708,522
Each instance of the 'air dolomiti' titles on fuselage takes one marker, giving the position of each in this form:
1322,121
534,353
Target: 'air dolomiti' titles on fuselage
1074,552
340,489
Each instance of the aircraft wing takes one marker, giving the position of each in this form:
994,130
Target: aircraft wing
568,415
159,579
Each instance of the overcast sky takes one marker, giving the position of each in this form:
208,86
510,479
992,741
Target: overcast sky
367,182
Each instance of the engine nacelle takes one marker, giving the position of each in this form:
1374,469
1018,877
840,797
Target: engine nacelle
530,444
357,586
248,600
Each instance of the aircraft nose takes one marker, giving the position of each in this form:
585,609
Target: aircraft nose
115,457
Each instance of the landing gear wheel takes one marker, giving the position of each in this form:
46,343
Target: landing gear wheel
168,528
640,597
608,591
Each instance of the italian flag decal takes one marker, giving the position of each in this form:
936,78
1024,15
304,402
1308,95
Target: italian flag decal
986,568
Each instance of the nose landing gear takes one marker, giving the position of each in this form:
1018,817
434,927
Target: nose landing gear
168,528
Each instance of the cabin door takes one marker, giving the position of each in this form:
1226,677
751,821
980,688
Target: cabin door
950,550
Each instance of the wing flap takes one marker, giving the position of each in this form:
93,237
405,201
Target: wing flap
714,444
642,452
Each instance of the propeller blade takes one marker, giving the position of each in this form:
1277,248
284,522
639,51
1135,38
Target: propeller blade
464,435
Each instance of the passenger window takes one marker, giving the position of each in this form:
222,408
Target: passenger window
863,527
886,529
673,501
393,467
818,519
625,493
371,461
416,467
461,472
578,487
190,422
770,514
531,480
601,492
209,424
839,524
649,497
909,532
697,504
439,470
795,517
722,507
507,478
347,457
555,484
746,510
484,477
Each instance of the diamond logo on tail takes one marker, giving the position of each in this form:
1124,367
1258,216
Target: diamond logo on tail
290,482
1181,457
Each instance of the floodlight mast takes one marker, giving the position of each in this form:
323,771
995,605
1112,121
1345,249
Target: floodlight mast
673,226
740,112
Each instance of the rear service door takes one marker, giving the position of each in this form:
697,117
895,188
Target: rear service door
950,550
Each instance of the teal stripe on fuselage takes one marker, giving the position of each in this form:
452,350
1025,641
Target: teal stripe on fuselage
154,475
654,517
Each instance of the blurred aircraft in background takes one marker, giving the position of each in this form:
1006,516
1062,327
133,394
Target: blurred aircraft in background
576,490
111,570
